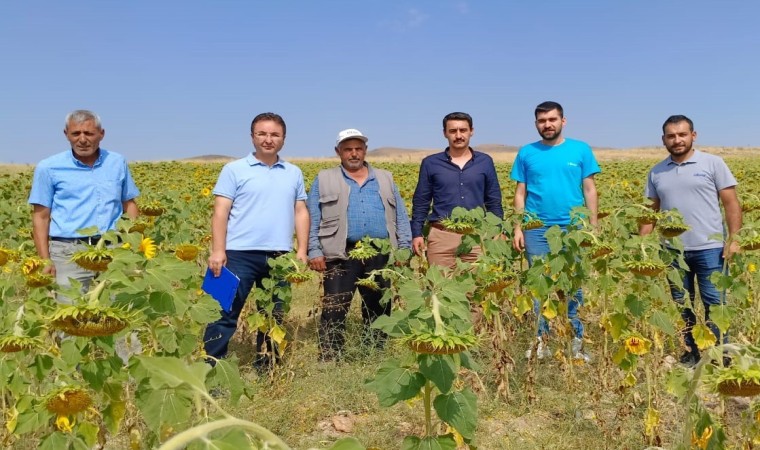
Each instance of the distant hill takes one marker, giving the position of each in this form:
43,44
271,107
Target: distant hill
209,159
501,153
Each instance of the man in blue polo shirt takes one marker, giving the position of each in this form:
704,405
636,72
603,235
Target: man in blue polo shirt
696,184
260,200
457,176
553,175
348,203
80,188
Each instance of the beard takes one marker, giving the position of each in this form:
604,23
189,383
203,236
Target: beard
550,135
678,151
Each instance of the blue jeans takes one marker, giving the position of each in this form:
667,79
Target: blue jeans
537,246
251,266
702,264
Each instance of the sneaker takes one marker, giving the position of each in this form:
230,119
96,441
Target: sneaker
542,350
690,358
577,350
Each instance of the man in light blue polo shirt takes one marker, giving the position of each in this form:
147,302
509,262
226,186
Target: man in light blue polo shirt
553,175
260,200
80,188
696,184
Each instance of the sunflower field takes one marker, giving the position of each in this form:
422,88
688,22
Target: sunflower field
123,365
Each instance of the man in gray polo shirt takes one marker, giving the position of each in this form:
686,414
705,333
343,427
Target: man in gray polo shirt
696,184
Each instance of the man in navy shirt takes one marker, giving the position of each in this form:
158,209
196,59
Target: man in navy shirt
458,176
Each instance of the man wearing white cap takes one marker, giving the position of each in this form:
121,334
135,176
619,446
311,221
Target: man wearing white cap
348,203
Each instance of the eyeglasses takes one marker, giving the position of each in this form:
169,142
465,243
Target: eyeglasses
264,135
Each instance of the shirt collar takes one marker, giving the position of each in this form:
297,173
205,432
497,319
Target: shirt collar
695,158
447,154
370,171
98,162
253,161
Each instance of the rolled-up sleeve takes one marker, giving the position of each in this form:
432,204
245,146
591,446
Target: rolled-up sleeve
312,202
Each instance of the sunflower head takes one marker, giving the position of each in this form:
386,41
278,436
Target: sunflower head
95,259
148,248
32,264
152,209
636,345
5,256
12,343
89,320
186,252
39,279
205,192
68,401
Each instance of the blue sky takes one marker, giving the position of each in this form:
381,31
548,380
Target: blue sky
175,79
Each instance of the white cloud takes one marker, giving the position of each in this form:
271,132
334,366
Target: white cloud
411,18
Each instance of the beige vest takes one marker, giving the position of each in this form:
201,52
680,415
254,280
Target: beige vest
333,204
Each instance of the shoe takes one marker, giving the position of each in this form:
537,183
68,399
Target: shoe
577,350
542,350
690,358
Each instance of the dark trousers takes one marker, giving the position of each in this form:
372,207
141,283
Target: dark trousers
251,266
340,285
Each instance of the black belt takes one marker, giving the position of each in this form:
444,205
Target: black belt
91,240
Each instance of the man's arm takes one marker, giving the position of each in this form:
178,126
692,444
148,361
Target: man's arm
131,209
316,257
733,219
423,195
518,240
492,200
649,227
41,235
302,230
591,198
403,226
218,257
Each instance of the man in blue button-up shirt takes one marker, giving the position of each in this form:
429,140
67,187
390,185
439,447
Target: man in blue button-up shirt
348,203
80,188
458,176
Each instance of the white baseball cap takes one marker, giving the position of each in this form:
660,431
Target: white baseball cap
350,133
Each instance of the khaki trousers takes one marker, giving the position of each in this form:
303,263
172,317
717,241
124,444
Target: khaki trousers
442,249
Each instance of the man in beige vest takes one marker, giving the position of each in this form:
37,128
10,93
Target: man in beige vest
346,204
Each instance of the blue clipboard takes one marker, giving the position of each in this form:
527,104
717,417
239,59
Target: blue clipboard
222,288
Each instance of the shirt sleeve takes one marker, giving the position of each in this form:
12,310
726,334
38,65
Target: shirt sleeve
518,169
226,185
42,187
300,187
312,202
590,166
493,192
723,176
129,188
651,190
423,195
403,226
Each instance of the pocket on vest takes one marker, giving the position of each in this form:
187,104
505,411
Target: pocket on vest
328,226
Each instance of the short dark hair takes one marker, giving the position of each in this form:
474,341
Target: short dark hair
677,118
457,116
269,116
545,107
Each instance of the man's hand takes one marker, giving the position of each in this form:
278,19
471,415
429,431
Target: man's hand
216,261
730,249
302,256
318,264
418,245
49,268
518,240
